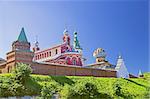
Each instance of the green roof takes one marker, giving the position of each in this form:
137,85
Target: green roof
22,36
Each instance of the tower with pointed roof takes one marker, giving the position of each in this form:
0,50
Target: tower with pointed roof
121,69
21,43
20,52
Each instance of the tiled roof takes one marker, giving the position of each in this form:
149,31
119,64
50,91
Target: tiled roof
22,37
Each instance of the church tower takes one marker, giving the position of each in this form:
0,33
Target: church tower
20,52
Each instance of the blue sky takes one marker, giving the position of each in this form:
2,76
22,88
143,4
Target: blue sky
118,26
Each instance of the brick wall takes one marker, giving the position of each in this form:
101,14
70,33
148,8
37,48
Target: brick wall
53,69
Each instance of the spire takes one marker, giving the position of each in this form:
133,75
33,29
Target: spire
76,43
22,36
65,31
140,73
119,57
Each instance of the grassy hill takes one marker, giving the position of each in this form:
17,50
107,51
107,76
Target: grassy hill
67,85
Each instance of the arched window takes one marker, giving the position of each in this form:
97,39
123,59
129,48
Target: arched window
50,53
79,62
74,62
56,51
47,54
42,55
38,56
68,61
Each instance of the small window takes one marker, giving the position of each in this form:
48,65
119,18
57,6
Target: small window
50,53
56,51
74,62
45,55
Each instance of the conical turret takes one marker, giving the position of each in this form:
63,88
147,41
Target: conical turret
121,68
22,37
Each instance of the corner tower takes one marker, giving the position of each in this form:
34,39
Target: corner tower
20,52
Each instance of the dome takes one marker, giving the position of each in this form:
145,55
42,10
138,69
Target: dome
99,52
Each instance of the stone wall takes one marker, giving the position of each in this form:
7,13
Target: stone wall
68,70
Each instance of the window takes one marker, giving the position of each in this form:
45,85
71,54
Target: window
45,55
74,62
56,51
40,56
50,53
36,57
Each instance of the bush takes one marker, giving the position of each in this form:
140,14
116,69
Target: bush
22,72
49,89
81,90
67,92
14,85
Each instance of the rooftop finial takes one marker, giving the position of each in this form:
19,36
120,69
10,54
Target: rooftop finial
140,73
36,41
36,45
65,30
120,56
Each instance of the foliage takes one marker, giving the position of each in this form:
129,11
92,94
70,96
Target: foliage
76,87
117,88
49,89
16,84
22,72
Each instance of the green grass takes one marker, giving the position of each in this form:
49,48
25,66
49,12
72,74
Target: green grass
137,87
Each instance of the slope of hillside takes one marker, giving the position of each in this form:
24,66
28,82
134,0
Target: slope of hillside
131,88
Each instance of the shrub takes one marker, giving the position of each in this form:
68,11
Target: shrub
86,90
67,92
49,89
81,90
22,72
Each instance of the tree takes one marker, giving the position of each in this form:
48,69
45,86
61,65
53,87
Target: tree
22,72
